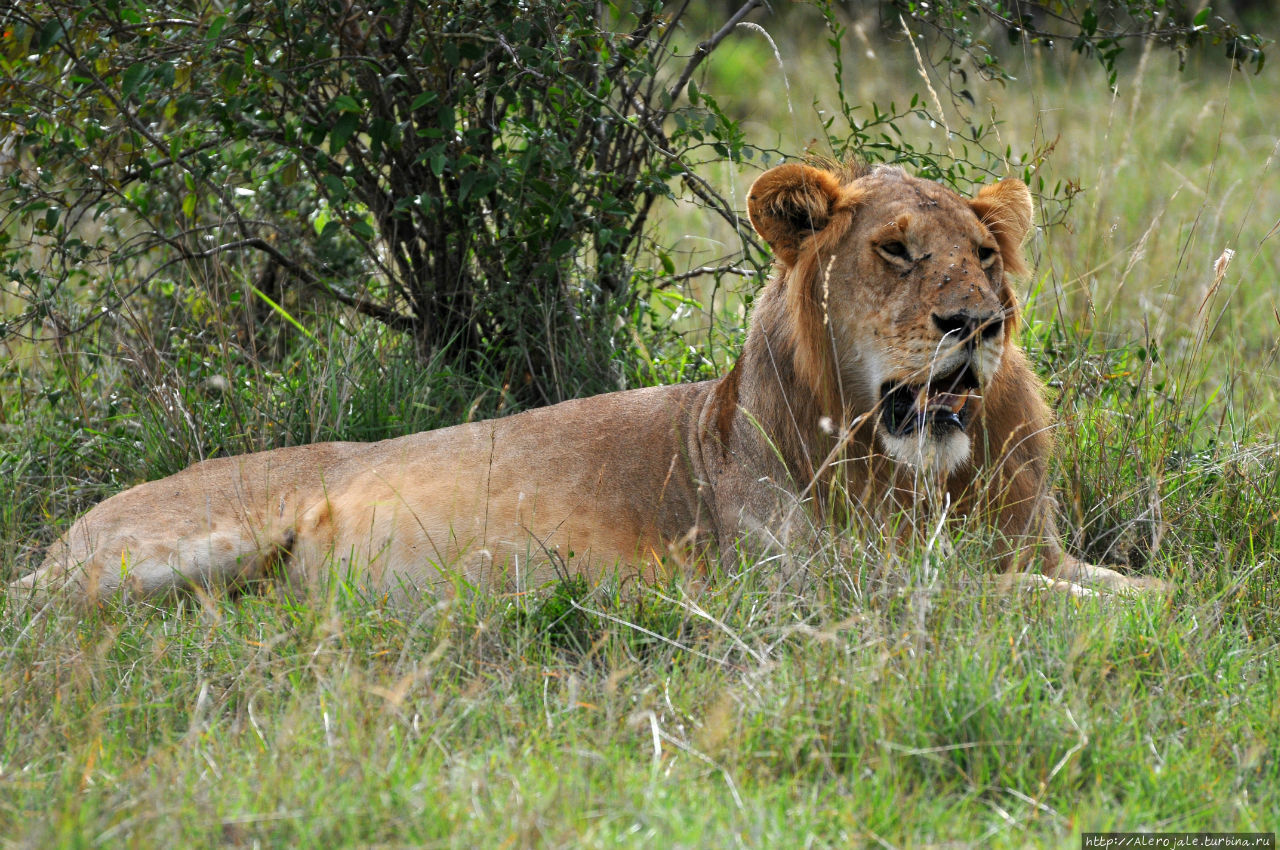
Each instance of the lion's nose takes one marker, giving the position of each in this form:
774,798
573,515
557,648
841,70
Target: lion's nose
967,326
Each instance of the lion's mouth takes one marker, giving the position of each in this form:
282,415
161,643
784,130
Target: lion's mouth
940,405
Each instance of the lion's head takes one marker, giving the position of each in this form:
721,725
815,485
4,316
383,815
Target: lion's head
898,287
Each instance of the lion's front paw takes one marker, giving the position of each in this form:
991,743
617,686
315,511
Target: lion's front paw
1106,580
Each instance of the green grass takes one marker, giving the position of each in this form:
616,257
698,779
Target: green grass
895,700
942,714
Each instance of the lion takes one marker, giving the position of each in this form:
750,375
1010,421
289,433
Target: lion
883,349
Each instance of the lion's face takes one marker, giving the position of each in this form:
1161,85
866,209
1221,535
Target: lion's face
909,280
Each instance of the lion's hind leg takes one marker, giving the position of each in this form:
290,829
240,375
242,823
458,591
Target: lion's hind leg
88,568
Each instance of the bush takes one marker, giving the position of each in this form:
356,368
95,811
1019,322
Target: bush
477,175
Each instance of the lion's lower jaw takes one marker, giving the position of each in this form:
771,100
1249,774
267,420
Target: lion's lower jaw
926,451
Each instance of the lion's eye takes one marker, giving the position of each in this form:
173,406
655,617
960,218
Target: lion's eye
986,255
894,249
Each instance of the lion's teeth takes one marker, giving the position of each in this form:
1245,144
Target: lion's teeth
952,401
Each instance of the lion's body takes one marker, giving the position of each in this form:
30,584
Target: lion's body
413,511
885,282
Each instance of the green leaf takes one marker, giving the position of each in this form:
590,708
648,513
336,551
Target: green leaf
189,204
379,133
422,100
50,34
342,130
335,186
215,28
1202,17
133,77
344,103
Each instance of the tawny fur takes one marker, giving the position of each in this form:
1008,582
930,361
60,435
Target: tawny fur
664,476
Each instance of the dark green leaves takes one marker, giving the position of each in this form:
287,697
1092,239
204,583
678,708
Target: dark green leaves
132,78
50,34
349,116
215,28
1089,22
342,131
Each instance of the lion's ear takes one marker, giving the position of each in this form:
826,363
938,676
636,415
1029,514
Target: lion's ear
1005,208
789,203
